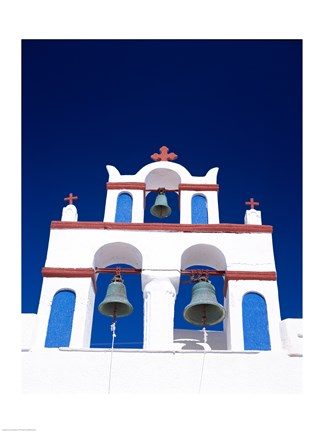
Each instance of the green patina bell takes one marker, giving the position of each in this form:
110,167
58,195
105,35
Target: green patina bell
116,304
160,208
204,309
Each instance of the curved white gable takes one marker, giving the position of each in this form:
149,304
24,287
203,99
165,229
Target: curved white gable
168,167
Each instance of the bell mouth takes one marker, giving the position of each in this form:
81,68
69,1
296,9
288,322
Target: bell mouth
204,315
160,211
116,308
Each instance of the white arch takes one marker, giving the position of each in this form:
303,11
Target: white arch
173,169
117,253
203,254
162,177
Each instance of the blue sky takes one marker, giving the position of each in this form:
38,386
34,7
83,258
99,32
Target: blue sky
232,104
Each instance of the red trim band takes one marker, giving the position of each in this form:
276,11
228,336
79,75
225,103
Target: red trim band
70,273
125,185
208,228
248,275
142,186
198,187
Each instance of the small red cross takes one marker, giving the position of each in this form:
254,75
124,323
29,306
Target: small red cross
252,203
164,155
71,198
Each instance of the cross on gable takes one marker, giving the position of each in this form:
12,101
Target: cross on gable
164,155
252,203
71,198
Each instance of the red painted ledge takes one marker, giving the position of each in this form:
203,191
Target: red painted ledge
198,187
70,273
248,275
125,185
67,272
142,186
203,228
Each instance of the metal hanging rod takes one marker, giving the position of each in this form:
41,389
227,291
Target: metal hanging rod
164,190
204,271
137,271
117,270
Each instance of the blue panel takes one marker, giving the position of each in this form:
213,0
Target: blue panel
60,321
124,208
255,323
199,214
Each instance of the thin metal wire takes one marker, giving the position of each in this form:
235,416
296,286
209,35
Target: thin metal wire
203,362
112,328
202,371
117,343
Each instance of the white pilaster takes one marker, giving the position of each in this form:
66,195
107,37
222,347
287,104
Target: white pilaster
212,206
111,205
185,207
159,291
138,206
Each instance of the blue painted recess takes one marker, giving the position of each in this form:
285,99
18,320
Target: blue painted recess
255,323
199,214
124,208
60,321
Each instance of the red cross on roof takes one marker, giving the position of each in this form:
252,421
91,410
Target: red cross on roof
71,198
252,203
164,155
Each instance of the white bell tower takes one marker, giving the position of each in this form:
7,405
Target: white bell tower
241,253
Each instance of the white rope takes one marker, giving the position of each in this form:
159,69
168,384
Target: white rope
112,329
203,362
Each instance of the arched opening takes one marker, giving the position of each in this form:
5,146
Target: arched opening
173,203
199,211
184,298
169,180
60,321
255,322
204,257
129,329
124,208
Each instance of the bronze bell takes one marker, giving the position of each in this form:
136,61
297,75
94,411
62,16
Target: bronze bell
204,309
160,208
116,304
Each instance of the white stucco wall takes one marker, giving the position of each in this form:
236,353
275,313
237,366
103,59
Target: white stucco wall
68,371
161,267
83,313
292,335
234,317
28,328
193,367
77,247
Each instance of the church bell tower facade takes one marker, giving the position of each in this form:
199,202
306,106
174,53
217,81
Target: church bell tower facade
242,254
